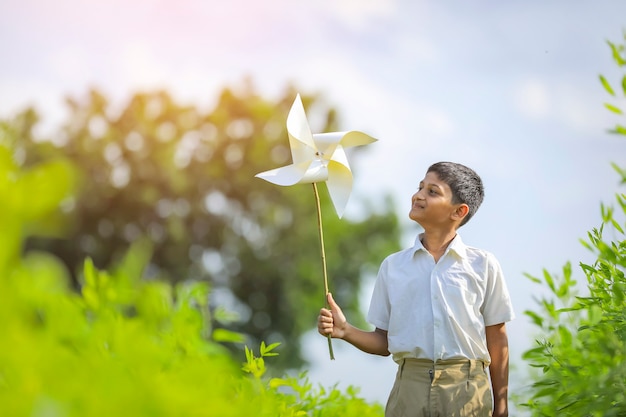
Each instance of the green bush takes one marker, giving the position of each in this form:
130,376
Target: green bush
581,352
121,345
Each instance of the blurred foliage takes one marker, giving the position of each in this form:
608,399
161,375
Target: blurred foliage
184,180
581,354
618,94
123,345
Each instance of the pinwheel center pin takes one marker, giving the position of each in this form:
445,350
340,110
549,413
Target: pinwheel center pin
319,157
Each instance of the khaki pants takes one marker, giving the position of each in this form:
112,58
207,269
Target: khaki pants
454,388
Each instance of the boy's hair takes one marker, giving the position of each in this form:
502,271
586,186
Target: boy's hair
465,184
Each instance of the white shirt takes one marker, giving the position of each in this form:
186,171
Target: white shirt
439,310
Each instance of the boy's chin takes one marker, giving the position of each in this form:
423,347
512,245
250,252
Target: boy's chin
414,216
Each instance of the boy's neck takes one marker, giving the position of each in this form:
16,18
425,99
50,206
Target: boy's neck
436,242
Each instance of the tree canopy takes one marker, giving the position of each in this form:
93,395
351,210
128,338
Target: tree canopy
183,179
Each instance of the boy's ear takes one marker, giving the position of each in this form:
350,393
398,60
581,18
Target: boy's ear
460,212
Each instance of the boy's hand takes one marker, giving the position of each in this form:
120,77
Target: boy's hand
332,321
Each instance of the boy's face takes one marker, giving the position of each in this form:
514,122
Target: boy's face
432,204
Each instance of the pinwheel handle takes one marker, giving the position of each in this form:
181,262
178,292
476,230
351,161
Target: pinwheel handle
321,233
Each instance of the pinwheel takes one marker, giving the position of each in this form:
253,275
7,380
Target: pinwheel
318,158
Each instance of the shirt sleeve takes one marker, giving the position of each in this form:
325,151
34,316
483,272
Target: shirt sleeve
380,308
497,307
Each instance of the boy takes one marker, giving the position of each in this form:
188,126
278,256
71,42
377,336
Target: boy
439,308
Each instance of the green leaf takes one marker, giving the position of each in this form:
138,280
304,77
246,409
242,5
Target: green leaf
153,301
267,350
617,226
536,318
278,382
249,354
132,265
545,392
223,335
587,268
620,171
90,272
617,57
565,335
567,272
48,273
567,405
534,352
606,85
570,309
614,109
624,85
618,293
224,316
585,244
532,278
619,130
549,280
50,182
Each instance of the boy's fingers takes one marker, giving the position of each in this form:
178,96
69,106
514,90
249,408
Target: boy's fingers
326,311
331,300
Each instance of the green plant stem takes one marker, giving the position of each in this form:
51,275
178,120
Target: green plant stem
321,233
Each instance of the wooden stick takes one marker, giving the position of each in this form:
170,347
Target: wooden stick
321,232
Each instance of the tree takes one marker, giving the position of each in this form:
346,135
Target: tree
185,179
581,351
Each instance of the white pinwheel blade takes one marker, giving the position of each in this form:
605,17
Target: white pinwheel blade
302,173
340,156
301,141
345,139
339,185
355,138
287,175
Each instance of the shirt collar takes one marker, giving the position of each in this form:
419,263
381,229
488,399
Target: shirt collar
457,246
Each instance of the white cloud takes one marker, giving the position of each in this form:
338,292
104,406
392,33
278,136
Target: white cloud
572,103
532,98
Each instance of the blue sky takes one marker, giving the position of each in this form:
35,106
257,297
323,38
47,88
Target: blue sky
508,88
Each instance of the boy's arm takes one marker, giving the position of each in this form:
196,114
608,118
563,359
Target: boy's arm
498,346
334,322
